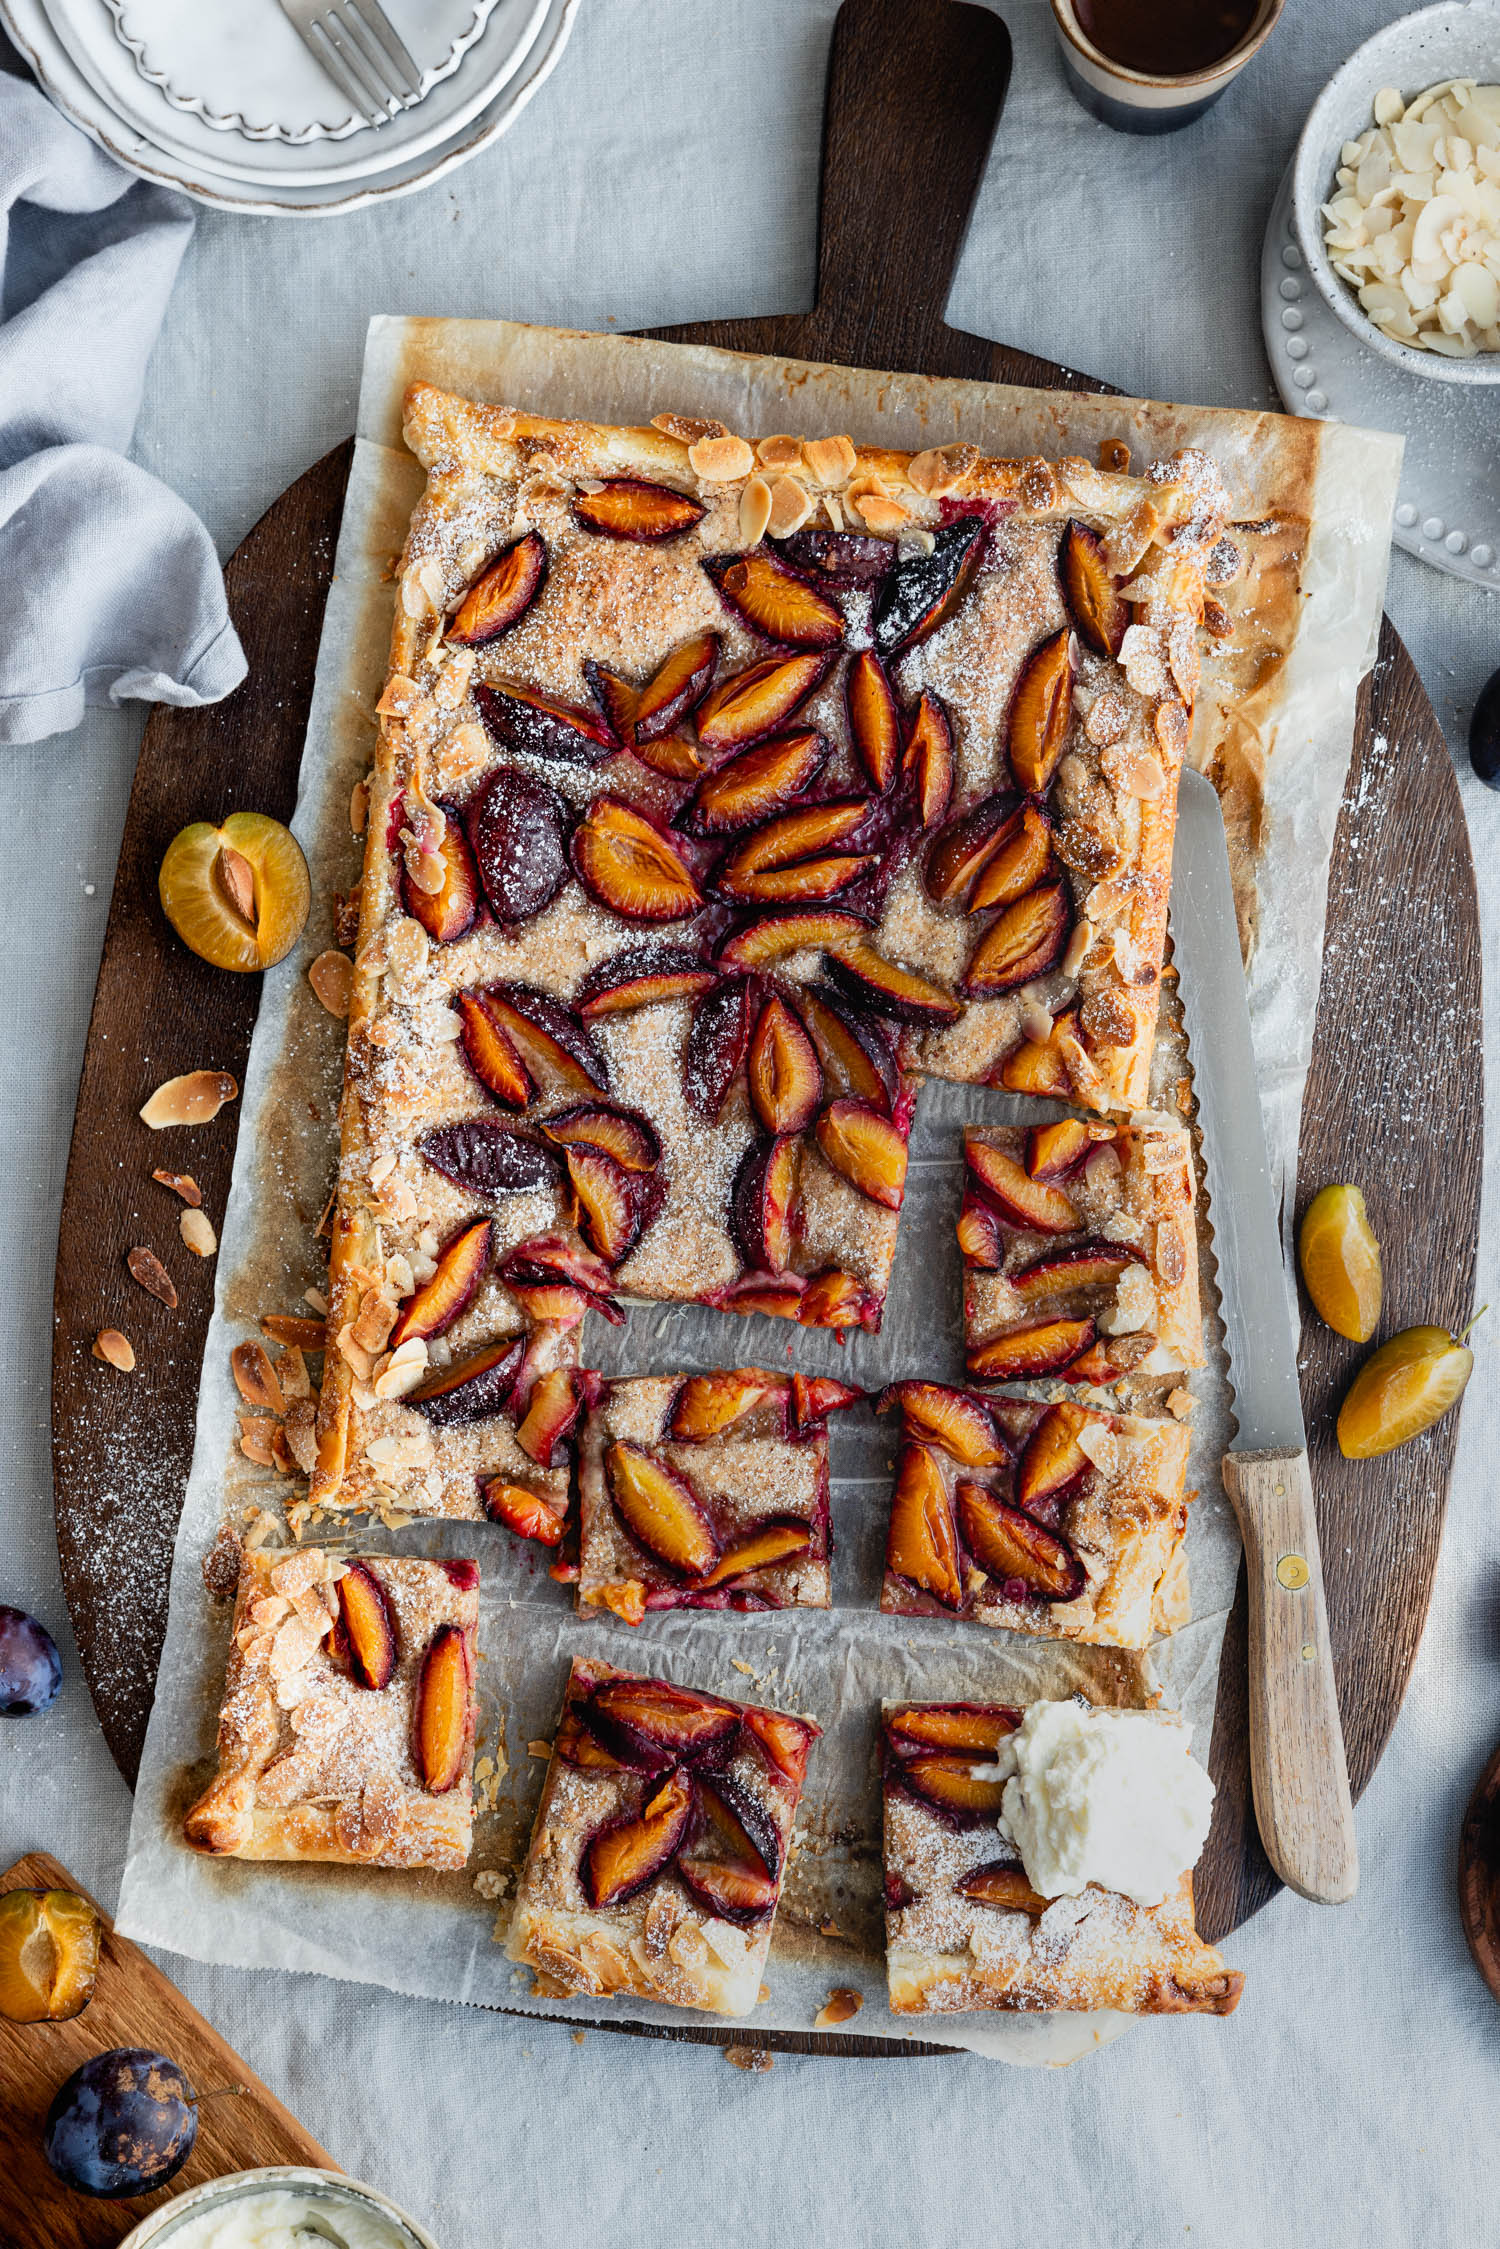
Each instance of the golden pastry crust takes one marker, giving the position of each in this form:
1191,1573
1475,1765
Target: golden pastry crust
661,1942
951,1954
1131,1190
311,1764
1114,1501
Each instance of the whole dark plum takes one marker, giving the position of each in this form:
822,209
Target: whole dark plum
122,2124
1484,733
30,1666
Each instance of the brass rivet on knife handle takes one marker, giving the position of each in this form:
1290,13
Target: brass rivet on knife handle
1297,1765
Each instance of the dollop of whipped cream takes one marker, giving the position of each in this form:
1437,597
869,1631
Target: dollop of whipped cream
286,2218
1106,1796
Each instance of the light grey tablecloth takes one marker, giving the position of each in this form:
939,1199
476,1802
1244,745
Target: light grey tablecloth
668,173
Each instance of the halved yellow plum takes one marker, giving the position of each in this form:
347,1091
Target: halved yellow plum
237,894
49,1955
1340,1261
1407,1385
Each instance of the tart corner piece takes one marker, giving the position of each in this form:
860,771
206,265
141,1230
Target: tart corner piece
346,1731
965,1930
1059,1521
660,1844
706,1491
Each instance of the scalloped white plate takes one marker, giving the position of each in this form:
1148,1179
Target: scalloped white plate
243,69
1448,508
43,49
503,49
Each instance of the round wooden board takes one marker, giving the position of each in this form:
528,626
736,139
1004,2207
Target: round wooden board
1400,1001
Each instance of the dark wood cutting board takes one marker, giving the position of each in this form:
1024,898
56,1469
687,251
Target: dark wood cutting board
133,2005
914,92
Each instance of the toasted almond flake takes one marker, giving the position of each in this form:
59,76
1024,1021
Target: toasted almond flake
147,1268
331,977
392,1381
830,460
374,1321
197,1232
400,695
382,1167
790,507
189,1100
255,1377
1180,1403
780,452
688,429
281,1458
452,683
1114,456
1171,1253
833,511
754,2058
359,807
1170,725
1105,721
292,1374
406,948
1036,1020
1100,1445
466,750
719,460
755,511
1135,773
1078,945
181,1184
1143,660
1217,621
941,469
292,1329
114,1349
841,2006
882,515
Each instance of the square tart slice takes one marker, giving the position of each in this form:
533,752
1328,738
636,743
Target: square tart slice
706,1491
660,1842
347,1727
963,1927
1056,1520
1080,1251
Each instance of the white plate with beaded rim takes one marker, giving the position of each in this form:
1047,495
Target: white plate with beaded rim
1448,507
40,47
245,69
500,52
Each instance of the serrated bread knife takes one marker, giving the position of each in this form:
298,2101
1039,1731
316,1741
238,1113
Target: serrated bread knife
1297,1766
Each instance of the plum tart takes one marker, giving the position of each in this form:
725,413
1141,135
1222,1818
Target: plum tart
1056,1520
964,1927
707,1491
721,791
1080,1251
347,1726
660,1843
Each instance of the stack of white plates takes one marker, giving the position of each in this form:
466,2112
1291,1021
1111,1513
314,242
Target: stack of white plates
228,105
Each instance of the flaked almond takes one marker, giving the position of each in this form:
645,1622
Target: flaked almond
882,515
331,977
114,1349
359,807
382,1167
292,1329
1104,721
281,1458
1217,620
318,1301
790,507
292,1374
1180,1403
941,469
719,460
1169,723
1183,661
755,511
779,452
841,2006
181,1183
1078,945
198,1233
236,879
755,2058
147,1268
302,1434
466,750
255,1440
255,1377
376,1318
688,429
406,950
345,916
189,1100
1114,456
833,511
1135,773
399,696
830,460
452,683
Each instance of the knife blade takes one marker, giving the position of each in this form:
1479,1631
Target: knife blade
1298,1769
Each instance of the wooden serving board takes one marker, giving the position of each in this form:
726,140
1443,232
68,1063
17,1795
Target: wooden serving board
914,92
133,2005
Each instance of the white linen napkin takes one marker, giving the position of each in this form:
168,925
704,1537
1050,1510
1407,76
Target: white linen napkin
112,586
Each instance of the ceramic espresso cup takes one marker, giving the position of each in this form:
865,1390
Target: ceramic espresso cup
1137,101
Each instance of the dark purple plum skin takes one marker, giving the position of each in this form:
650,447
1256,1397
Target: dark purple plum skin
121,2125
486,1156
918,583
30,1666
479,1399
518,831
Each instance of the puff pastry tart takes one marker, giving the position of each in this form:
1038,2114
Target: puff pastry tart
707,1491
1056,1520
1080,1251
660,1842
347,1726
721,791
965,1929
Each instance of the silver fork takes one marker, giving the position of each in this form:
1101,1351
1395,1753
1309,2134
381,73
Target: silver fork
360,49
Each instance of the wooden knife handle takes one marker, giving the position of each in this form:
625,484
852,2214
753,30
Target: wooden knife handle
1297,1767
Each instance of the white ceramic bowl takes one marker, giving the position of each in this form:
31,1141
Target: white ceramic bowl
157,2230
1460,39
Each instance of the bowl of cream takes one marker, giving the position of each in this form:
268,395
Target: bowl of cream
280,2209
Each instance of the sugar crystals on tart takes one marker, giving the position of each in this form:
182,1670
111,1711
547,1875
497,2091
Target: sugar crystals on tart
1054,1520
1111,1926
1079,1251
660,1843
347,1725
707,1491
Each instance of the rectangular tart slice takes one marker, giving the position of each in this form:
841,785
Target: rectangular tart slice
964,1928
1080,1251
347,1726
1056,1520
660,1843
706,1491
